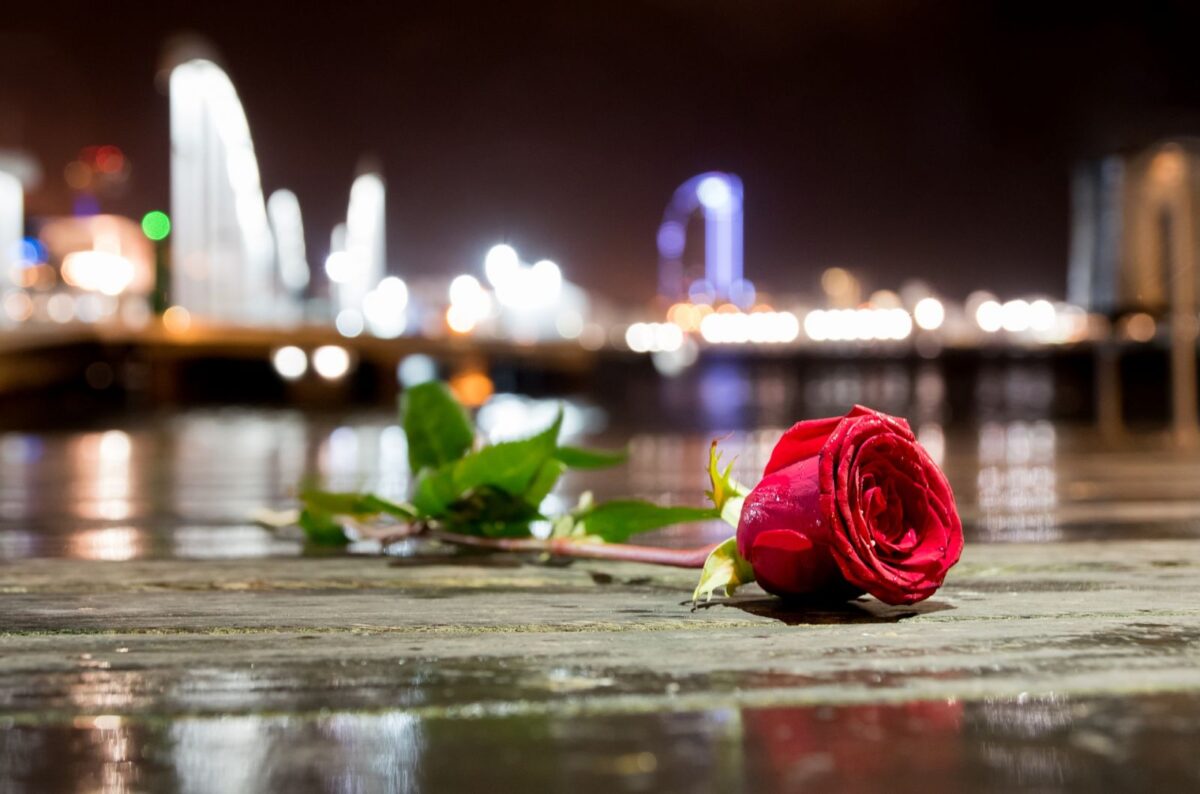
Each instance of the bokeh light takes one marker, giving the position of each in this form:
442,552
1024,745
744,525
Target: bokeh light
156,225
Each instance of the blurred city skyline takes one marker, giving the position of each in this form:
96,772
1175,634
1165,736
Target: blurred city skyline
933,141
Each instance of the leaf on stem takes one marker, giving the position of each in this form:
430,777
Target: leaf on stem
616,522
580,458
724,569
727,494
436,425
322,528
510,466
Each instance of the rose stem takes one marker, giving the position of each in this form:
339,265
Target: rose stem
564,547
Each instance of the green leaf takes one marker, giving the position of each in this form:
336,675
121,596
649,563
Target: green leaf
725,569
727,494
544,482
361,505
493,513
435,491
510,466
580,458
616,522
437,427
321,528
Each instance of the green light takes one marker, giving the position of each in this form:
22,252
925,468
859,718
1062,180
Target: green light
156,225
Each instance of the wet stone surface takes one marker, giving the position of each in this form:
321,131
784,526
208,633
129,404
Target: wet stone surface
152,639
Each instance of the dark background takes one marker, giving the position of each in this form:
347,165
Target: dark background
899,139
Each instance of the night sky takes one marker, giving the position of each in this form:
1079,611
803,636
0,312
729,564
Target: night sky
899,139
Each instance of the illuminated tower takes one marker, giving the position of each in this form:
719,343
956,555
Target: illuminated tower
18,171
1135,246
223,252
12,218
358,261
719,197
283,208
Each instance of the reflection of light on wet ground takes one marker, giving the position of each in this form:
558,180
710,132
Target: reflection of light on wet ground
1140,742
207,543
103,463
341,752
1017,485
112,544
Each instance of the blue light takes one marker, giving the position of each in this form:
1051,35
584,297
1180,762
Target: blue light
714,193
671,239
718,197
86,205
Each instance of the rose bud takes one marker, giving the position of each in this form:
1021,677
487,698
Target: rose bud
849,505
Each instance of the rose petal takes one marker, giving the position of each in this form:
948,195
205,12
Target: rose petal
788,563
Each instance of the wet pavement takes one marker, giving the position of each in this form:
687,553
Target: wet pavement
153,638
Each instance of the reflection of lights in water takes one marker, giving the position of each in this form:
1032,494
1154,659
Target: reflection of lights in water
1017,486
222,542
364,752
725,394
17,544
663,464
933,439
1016,389
18,453
341,453
111,544
393,462
1019,730
832,391
242,744
506,417
113,747
250,458
929,393
290,362
670,363
103,462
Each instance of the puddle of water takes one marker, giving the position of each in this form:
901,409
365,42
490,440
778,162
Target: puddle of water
1045,744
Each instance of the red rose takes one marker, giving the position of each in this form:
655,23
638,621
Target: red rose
851,504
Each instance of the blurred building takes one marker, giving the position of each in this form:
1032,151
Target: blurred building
1134,234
